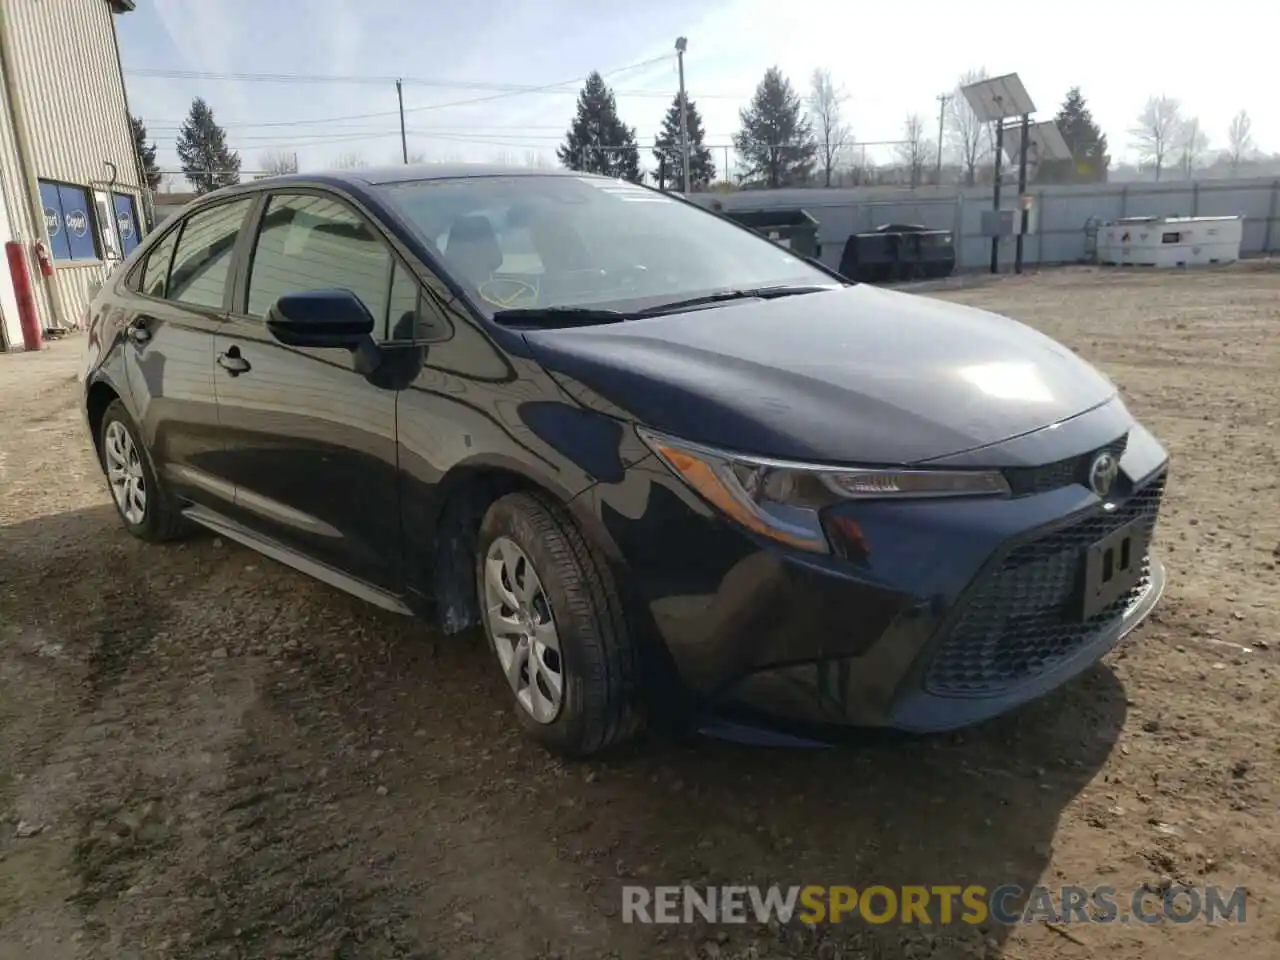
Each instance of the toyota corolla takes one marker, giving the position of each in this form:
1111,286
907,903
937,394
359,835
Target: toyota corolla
667,466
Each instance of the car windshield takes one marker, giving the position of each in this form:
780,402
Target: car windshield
553,241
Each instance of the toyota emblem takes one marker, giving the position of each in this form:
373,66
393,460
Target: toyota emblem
1102,473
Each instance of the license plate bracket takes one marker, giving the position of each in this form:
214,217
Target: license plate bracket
1113,567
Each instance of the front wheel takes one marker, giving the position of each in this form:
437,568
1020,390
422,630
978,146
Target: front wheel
556,624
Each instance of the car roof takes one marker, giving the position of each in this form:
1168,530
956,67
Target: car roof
404,173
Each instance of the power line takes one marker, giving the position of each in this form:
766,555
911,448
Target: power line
507,90
504,89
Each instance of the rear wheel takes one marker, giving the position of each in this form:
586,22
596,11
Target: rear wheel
145,506
556,624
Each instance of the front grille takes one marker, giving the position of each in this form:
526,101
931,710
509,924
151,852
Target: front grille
1016,621
1024,481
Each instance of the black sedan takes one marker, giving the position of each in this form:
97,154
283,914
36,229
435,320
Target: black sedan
670,468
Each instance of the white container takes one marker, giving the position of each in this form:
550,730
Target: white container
1170,241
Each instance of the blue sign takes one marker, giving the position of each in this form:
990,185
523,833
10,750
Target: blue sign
59,243
126,222
75,206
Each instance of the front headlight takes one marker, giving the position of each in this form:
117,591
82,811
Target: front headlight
782,500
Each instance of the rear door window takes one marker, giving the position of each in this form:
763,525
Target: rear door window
202,260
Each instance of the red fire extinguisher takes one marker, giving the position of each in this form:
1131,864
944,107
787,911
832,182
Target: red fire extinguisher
43,259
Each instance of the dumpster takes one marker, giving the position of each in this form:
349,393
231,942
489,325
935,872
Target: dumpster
896,252
792,228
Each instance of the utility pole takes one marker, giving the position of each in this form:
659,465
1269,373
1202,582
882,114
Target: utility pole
943,100
1022,190
404,142
681,45
995,240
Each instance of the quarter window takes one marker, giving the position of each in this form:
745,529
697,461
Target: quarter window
155,275
202,260
315,243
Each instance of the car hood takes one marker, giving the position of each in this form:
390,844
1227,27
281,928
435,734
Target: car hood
854,375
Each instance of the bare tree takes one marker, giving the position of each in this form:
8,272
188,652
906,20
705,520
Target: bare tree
539,161
349,161
417,157
913,150
829,128
1157,131
1239,140
273,164
969,138
1192,144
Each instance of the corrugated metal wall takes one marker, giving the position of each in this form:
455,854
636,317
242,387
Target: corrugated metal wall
68,81
13,193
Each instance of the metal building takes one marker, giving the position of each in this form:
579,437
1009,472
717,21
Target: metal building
70,177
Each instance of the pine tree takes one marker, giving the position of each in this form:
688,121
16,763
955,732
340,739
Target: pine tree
1087,142
598,141
150,171
666,149
202,148
776,142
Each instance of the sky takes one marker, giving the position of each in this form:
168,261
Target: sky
497,79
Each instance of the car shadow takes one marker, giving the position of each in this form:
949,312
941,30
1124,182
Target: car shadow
977,807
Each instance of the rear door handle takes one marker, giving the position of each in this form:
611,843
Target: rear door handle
232,362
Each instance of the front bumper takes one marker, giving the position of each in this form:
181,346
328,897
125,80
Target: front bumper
957,611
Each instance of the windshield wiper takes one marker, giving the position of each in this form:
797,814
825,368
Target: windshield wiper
749,293
558,316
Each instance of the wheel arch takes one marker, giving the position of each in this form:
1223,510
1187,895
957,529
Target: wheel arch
461,500
100,395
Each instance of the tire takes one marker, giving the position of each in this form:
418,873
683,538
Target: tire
596,655
160,518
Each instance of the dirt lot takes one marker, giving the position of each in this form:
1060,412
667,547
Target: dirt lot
204,754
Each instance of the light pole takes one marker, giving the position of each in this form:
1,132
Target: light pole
943,100
681,45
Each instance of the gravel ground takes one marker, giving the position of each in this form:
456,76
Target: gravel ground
204,754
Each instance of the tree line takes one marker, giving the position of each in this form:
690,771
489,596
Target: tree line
776,143
788,140
1164,136
784,140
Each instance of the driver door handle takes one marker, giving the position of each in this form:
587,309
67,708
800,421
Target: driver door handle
232,362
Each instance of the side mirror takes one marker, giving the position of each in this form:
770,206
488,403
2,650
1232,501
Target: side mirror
320,318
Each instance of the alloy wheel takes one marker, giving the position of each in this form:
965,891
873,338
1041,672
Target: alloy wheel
519,619
124,473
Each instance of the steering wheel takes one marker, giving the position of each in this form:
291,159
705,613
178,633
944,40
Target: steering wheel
508,292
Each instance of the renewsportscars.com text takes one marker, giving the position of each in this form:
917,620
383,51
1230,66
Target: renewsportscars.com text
1009,904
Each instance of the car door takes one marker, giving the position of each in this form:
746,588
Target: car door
180,296
310,442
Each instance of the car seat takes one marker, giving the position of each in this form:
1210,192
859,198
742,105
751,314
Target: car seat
472,247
